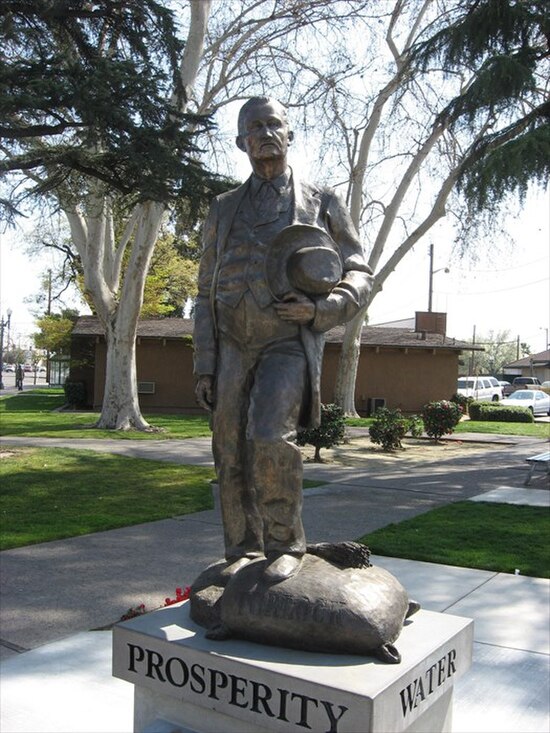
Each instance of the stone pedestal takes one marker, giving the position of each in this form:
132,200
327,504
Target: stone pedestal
185,683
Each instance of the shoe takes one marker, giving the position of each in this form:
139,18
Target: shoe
233,566
282,567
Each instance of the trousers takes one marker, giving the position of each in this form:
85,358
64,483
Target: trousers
259,392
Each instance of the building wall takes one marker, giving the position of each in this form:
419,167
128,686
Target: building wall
405,378
166,362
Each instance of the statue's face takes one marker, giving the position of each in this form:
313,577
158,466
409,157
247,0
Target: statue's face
265,133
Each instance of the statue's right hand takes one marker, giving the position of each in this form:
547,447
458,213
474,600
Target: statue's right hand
204,391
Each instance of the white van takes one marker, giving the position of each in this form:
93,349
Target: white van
482,389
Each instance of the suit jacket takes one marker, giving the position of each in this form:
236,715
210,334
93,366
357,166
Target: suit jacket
314,206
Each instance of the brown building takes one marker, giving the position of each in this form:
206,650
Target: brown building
398,367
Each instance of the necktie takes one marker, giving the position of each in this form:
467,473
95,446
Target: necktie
266,200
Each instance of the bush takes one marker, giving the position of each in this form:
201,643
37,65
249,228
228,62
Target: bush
492,412
463,402
75,393
330,432
391,426
441,418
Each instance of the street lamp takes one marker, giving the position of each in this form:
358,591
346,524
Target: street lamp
432,273
3,324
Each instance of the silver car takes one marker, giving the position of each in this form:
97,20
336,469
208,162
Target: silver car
534,399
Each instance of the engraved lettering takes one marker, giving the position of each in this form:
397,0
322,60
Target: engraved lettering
216,675
139,657
441,671
451,656
283,694
237,691
332,718
182,673
430,675
407,698
198,678
420,688
303,708
259,696
154,662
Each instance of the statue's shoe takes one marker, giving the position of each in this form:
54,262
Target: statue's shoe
282,567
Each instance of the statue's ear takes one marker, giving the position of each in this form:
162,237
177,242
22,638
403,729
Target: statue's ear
290,137
240,143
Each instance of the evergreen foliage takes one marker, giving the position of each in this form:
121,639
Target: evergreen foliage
441,418
330,432
493,412
504,45
87,91
390,427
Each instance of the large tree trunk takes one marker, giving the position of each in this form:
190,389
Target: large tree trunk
118,296
121,409
344,389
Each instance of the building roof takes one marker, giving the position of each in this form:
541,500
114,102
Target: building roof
540,359
370,336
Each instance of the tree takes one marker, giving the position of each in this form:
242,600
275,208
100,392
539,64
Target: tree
95,157
499,349
54,334
459,108
171,282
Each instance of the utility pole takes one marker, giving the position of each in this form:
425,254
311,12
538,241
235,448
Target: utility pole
48,313
472,358
3,324
517,348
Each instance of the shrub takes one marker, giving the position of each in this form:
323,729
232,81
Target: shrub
441,417
75,393
330,432
391,426
463,401
493,412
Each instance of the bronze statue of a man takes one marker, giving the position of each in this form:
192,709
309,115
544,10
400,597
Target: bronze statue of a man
267,293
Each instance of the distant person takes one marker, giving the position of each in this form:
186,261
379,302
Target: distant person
19,377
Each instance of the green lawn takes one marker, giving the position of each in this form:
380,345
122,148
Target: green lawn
532,430
500,537
51,494
34,414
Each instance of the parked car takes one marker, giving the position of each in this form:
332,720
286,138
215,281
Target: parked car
507,388
9,368
482,389
534,399
525,382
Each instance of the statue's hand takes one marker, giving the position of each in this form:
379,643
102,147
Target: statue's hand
204,391
296,308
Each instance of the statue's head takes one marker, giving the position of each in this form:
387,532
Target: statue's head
264,132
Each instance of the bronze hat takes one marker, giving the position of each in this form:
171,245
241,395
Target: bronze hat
302,257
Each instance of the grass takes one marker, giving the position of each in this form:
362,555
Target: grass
34,414
499,537
50,494
531,430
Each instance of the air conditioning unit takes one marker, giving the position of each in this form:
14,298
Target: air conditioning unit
374,403
146,387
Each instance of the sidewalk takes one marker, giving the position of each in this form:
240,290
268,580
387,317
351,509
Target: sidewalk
56,673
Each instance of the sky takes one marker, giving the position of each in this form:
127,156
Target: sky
507,288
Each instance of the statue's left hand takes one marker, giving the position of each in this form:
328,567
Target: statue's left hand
296,308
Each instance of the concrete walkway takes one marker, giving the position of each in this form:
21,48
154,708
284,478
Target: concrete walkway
56,672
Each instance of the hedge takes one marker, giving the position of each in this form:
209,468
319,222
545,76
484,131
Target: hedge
496,412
